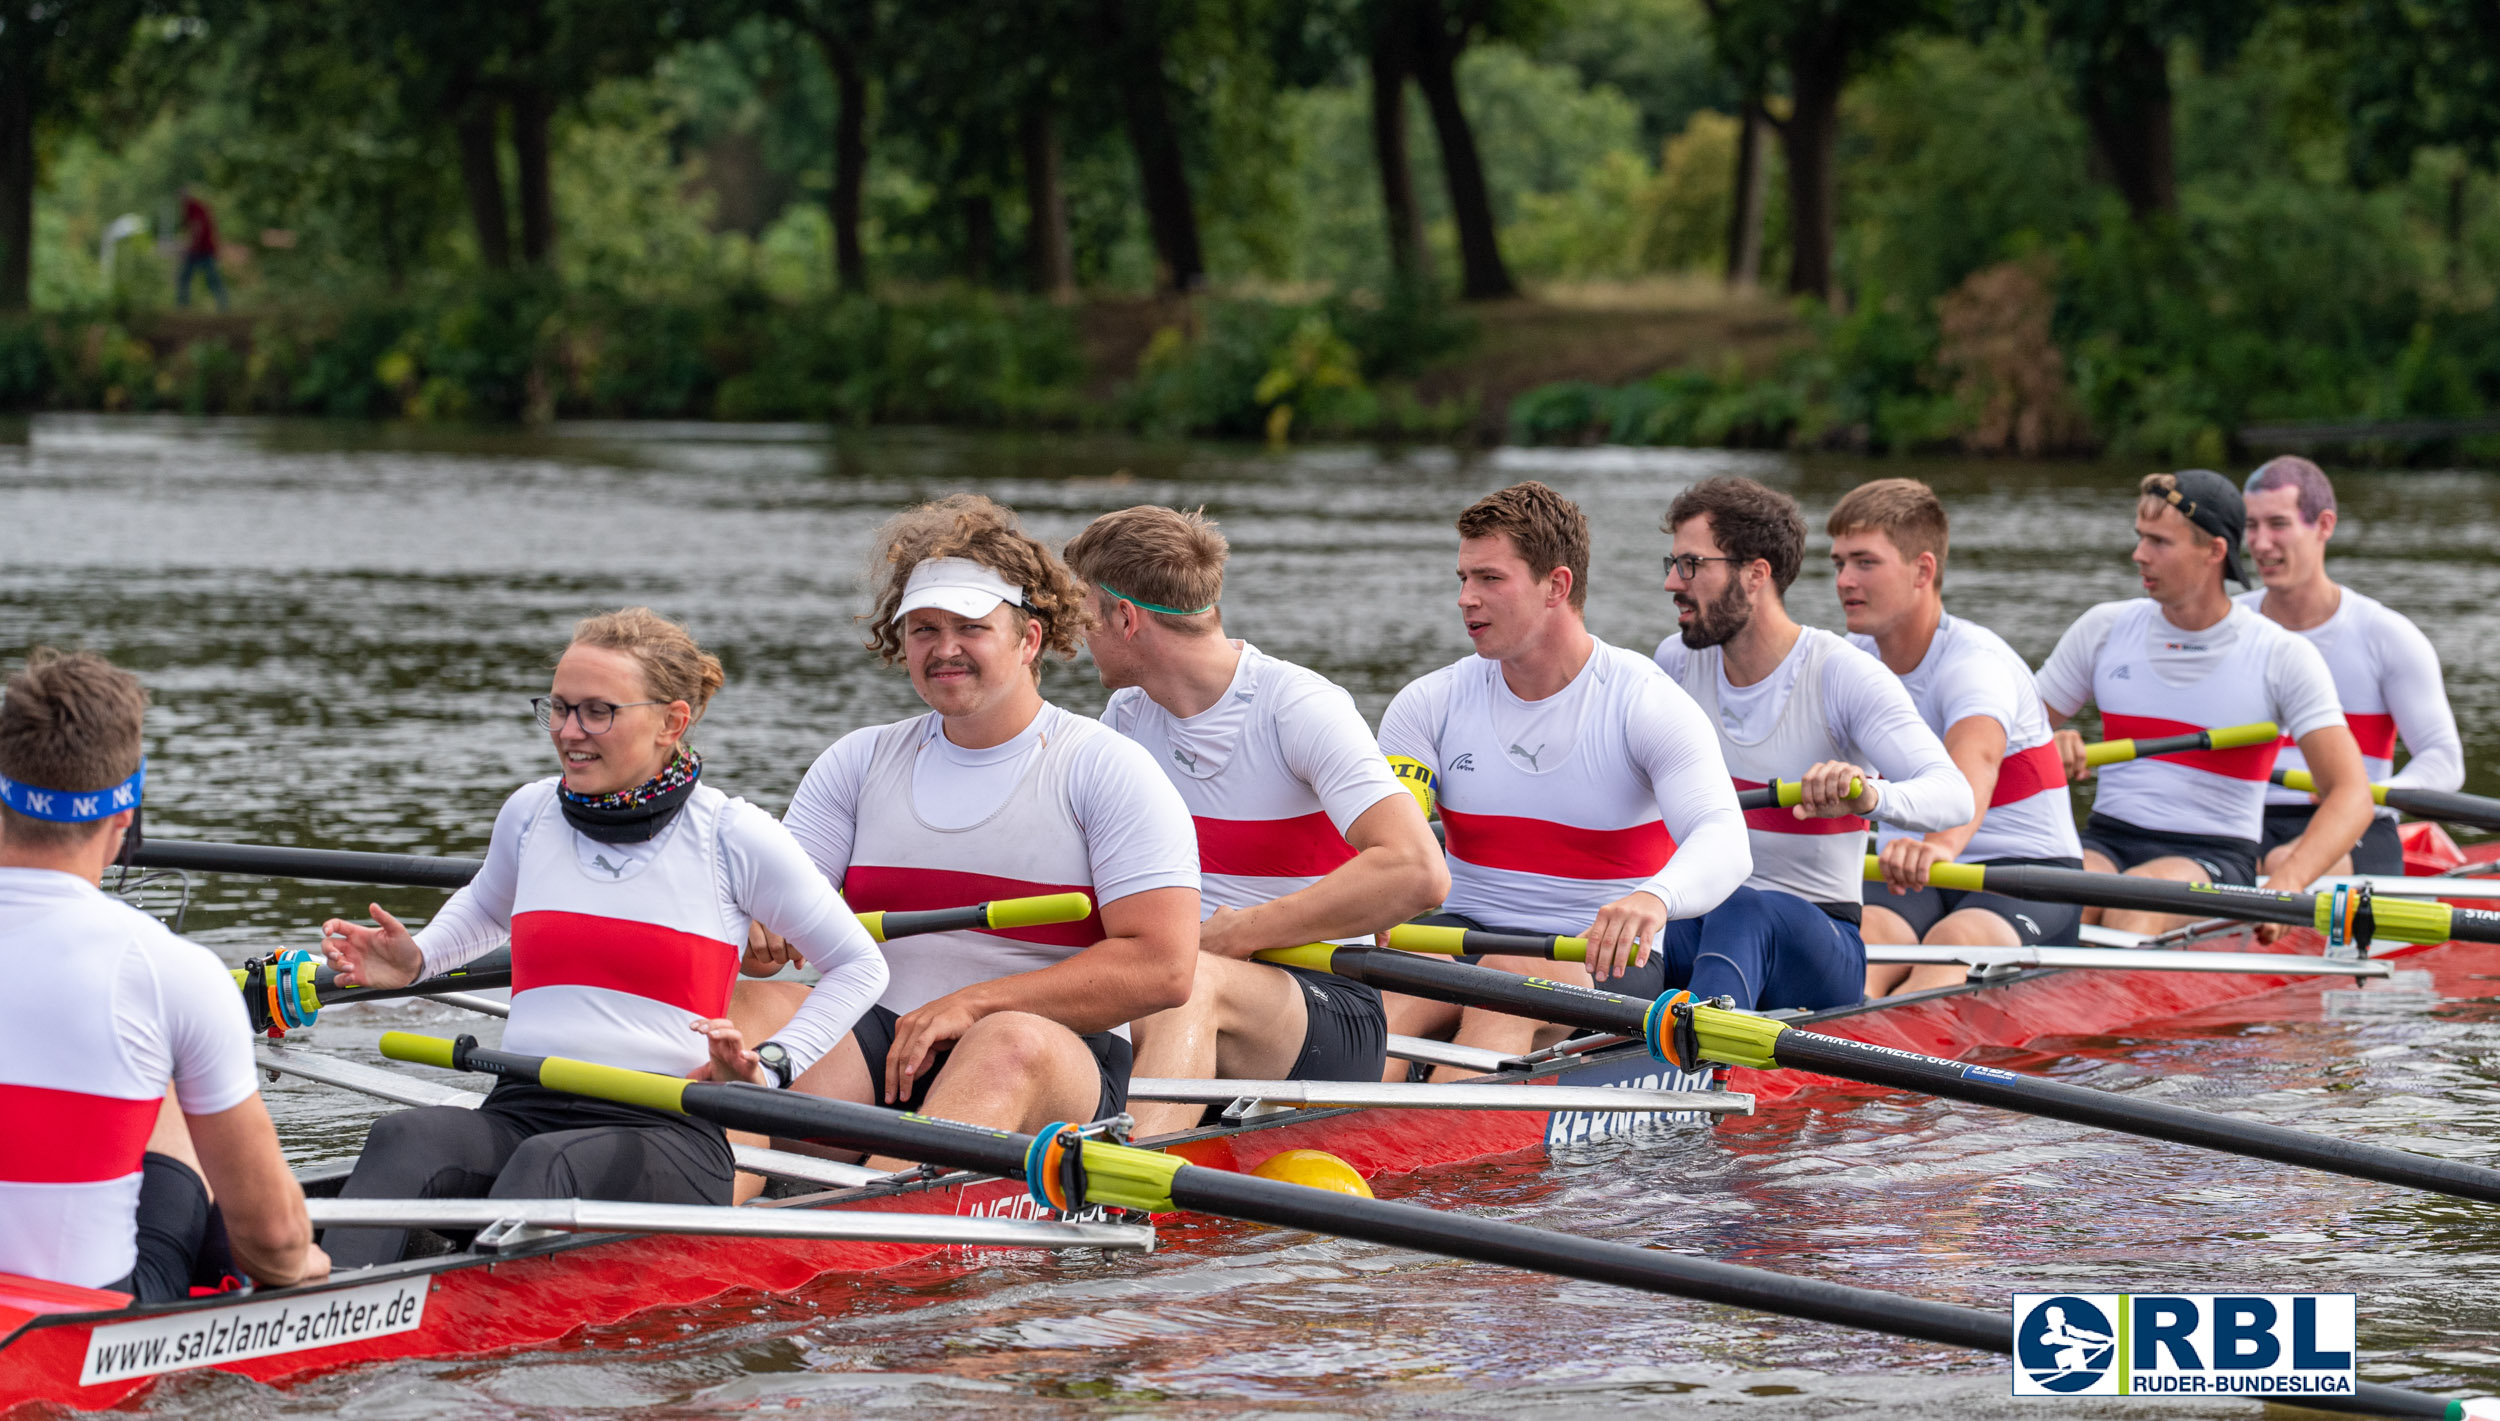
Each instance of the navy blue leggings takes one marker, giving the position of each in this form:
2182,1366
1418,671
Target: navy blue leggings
1764,948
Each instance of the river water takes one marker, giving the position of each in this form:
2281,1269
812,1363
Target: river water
342,626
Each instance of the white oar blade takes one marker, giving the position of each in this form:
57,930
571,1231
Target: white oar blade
604,1216
1461,1095
2119,959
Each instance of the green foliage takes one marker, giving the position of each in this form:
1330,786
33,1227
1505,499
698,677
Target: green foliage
1333,368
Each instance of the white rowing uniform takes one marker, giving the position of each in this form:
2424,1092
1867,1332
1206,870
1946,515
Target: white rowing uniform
1274,774
110,1006
1970,671
2387,675
1824,701
906,819
2151,679
1557,807
618,948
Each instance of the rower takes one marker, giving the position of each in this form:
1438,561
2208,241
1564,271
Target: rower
1788,700
995,793
1889,540
2386,672
627,886
108,1178
1303,834
2185,658
1577,786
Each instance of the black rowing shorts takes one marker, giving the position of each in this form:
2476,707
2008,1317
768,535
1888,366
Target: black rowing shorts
2380,850
1112,1057
2124,844
1348,1035
2037,924
182,1236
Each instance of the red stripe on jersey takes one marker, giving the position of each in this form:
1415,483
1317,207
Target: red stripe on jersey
2376,732
2026,773
1557,850
1306,846
687,970
2248,762
70,1137
1785,821
870,888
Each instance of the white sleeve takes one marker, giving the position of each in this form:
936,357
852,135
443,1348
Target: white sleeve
1138,833
1871,713
2065,679
1979,685
1676,746
2411,682
772,881
2300,686
1328,747
1411,726
1670,655
824,811
474,920
206,1032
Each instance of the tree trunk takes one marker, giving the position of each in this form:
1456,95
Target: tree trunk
1744,218
483,182
1391,61
850,162
1053,263
1136,54
1482,275
2126,104
980,238
532,111
1818,67
17,191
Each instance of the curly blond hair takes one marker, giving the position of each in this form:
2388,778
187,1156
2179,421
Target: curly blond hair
971,525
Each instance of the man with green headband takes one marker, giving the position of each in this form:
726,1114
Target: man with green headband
1303,833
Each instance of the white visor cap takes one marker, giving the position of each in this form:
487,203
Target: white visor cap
957,585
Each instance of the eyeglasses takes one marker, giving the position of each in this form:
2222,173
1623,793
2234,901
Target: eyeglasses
596,717
1688,565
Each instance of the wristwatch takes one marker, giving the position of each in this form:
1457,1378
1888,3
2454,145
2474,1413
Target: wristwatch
776,1060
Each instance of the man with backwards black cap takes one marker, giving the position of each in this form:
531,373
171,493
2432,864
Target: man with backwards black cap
2185,658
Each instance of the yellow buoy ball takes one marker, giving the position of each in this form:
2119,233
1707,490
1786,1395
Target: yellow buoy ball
1313,1169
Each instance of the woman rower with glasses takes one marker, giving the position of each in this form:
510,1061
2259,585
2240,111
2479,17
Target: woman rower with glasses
628,887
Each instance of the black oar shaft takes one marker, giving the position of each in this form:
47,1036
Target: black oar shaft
2472,810
2225,900
325,865
492,970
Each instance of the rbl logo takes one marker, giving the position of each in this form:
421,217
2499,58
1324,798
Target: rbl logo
2183,1344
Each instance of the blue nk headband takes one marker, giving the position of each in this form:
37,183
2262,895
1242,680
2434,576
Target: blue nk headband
73,807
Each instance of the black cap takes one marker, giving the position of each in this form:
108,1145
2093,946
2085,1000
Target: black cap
2209,501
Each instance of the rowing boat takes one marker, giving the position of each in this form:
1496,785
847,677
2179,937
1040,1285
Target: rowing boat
528,1285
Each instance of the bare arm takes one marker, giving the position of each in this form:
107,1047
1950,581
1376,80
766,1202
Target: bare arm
263,1205
2343,808
1396,873
1977,745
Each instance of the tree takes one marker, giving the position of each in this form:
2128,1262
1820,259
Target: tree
1130,38
1436,33
59,62
1821,45
2419,74
845,33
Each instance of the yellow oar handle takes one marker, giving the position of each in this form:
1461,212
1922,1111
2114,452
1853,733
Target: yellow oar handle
1001,915
1785,794
1956,877
2301,781
1451,942
2226,737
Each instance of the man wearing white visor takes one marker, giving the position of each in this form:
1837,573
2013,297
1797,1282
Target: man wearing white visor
996,793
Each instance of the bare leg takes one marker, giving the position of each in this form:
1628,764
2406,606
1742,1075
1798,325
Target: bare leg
1512,1035
1415,1016
1243,1021
1883,925
2276,855
2169,868
1970,927
2094,861
1013,1071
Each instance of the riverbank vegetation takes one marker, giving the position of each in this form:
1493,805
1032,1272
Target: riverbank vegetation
1999,225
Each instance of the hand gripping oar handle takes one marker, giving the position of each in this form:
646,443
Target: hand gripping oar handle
1784,794
2226,737
1688,1034
1065,1170
2473,810
292,993
2341,915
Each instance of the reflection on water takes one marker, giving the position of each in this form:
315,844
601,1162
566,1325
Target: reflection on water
342,626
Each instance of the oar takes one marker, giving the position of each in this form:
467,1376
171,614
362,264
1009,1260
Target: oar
1685,1033
1065,1171
1415,937
313,986
325,865
2225,737
2439,804
2354,916
1784,794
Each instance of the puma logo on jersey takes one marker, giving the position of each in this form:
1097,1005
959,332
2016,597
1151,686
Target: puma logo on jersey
1184,759
1463,762
2121,673
1529,755
615,870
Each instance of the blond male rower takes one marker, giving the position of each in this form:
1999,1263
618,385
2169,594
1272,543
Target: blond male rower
994,793
1581,791
1303,834
1791,701
2386,672
108,1179
1889,541
2184,658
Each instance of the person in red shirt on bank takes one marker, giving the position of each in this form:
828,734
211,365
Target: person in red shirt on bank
199,251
